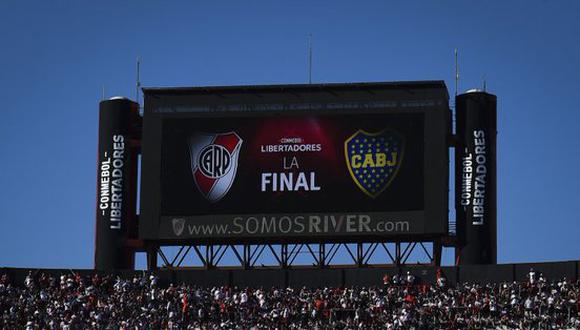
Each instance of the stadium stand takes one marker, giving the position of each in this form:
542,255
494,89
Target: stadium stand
142,300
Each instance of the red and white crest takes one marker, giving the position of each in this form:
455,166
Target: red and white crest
214,162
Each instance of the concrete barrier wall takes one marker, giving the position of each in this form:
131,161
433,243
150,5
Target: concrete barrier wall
551,270
367,276
265,278
452,274
203,277
486,273
423,274
314,278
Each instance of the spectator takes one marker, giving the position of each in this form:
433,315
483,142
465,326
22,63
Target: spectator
386,280
410,278
532,276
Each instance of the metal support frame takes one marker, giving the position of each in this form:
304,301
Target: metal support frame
285,256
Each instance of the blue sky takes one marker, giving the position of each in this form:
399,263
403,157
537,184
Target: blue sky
56,56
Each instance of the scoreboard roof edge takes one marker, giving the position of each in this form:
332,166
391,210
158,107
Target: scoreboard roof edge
432,85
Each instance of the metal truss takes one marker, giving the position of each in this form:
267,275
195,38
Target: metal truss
323,255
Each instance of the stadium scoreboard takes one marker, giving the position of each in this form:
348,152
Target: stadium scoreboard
295,163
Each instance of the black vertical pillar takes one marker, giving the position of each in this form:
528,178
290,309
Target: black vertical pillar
116,183
475,177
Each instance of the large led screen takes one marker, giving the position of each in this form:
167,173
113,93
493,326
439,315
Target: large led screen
240,175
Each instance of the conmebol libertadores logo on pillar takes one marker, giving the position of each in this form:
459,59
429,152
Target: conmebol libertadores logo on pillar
214,162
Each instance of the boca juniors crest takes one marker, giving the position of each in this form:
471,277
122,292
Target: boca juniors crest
373,159
214,162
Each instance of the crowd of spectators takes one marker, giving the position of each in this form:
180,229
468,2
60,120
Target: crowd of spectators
110,302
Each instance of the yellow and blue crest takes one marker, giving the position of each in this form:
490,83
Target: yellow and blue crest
373,159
